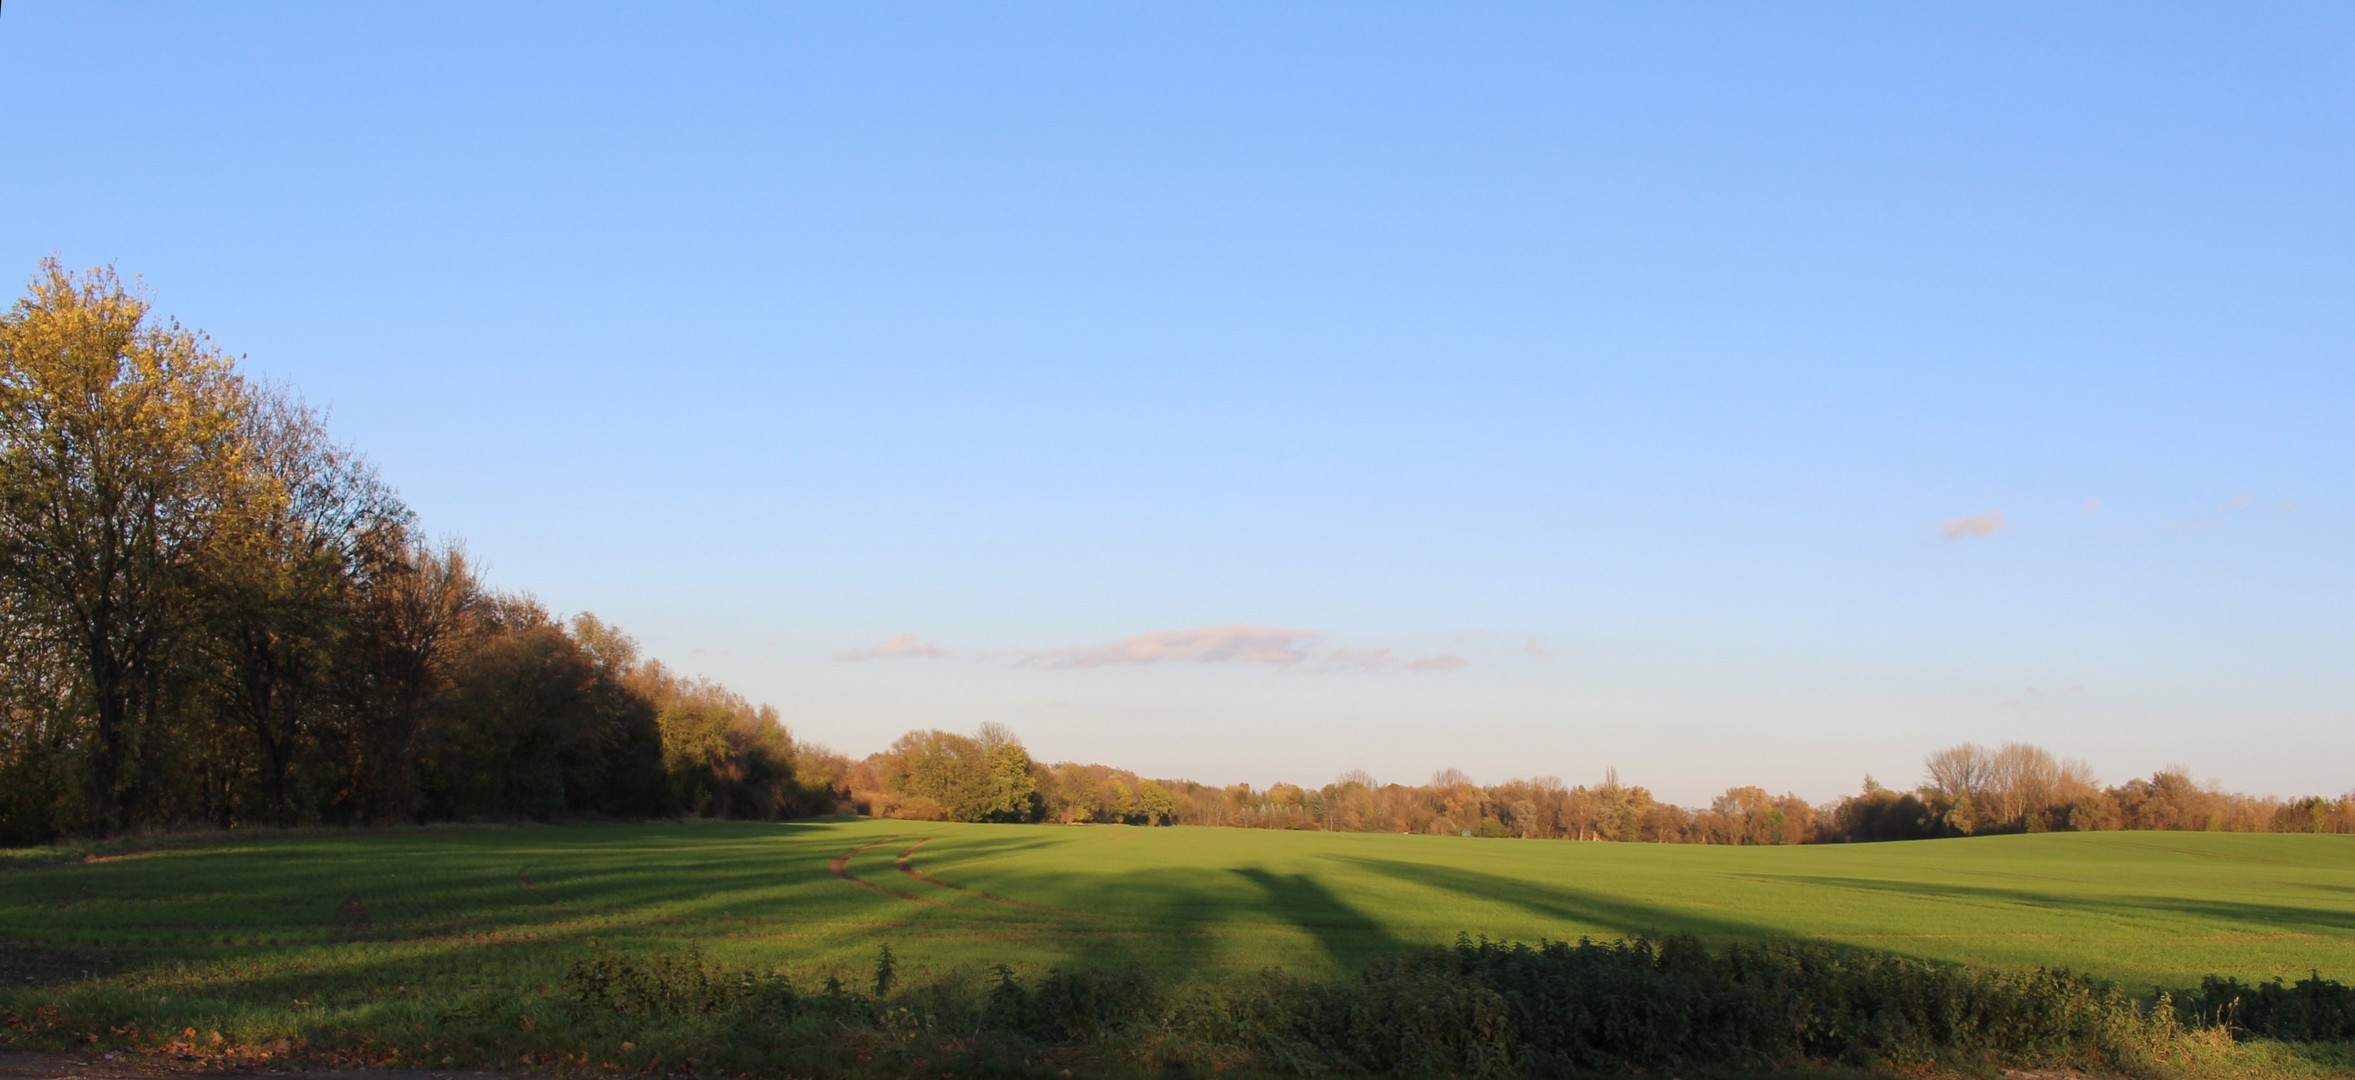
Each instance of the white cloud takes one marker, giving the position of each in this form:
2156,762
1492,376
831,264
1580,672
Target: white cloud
1987,524
897,646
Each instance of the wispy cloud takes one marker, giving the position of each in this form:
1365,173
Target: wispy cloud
1206,645
1352,660
1379,660
2251,502
897,646
1987,524
1285,648
2216,516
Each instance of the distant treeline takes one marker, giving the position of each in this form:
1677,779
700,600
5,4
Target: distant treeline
938,775
211,613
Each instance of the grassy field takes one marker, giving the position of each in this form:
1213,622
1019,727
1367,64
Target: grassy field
340,919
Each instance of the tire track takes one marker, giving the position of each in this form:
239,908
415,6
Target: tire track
839,866
525,875
906,866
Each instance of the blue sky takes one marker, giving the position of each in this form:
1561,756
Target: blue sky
1261,391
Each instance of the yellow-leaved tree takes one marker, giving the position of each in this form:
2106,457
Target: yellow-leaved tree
122,461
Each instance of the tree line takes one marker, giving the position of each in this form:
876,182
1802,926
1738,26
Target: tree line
1966,790
213,613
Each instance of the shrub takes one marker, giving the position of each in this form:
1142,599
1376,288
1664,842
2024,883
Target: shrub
1478,1009
670,987
2313,1009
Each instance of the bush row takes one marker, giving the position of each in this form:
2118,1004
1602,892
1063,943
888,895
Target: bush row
1480,1008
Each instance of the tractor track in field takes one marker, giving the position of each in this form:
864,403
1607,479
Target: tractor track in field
525,875
839,866
906,866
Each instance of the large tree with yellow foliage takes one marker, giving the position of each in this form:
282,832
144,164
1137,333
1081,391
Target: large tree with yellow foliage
123,461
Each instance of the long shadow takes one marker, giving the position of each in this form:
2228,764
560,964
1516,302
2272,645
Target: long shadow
426,894
2279,917
1155,920
1564,904
1344,932
437,887
905,863
503,938
962,849
738,874
1168,921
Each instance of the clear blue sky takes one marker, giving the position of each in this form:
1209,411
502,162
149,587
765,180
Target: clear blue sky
1622,371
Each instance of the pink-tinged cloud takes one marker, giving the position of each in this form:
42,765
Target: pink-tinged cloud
899,647
1207,645
1352,660
1987,524
1379,660
1282,647
1446,662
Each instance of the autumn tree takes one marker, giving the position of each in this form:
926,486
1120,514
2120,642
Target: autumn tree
123,461
2016,787
276,593
409,618
39,724
211,611
533,725
941,775
1881,813
1013,783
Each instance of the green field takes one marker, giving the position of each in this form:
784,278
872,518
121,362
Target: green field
347,917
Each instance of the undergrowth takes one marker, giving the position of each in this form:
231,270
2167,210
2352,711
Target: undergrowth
1477,1009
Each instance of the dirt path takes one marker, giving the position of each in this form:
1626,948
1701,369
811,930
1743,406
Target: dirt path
839,866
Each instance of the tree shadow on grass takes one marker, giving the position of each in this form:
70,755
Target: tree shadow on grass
2279,918
961,850
1172,922
1344,933
1576,908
